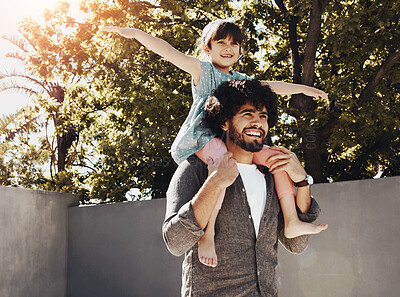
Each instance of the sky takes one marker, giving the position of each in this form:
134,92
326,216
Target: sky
11,12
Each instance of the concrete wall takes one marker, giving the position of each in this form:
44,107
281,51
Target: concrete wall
359,254
33,242
117,250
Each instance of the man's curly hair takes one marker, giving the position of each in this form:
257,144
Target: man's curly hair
227,99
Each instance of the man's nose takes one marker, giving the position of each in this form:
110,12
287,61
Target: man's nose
256,122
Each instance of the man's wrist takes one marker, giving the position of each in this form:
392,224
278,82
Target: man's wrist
215,181
307,181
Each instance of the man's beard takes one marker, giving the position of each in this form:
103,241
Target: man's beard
237,138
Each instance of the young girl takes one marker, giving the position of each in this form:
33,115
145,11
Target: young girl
221,41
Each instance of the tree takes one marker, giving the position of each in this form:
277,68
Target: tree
321,38
41,80
126,104
333,46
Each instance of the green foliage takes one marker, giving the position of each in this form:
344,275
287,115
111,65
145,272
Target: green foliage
356,38
122,105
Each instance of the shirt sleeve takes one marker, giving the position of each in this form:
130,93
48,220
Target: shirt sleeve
180,229
299,244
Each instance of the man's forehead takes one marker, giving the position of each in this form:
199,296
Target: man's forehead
250,107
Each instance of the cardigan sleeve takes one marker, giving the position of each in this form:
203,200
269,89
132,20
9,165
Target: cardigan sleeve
180,229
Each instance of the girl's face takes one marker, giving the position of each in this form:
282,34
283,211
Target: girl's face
223,53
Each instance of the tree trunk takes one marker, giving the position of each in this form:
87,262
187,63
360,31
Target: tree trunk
314,31
311,147
304,105
64,141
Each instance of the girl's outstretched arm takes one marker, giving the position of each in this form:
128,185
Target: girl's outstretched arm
187,63
284,88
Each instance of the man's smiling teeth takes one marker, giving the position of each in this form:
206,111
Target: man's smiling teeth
227,56
252,133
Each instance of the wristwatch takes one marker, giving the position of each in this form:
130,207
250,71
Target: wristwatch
308,181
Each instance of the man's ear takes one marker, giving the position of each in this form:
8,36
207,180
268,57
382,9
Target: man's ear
224,126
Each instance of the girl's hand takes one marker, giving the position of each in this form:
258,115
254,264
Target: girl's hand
287,161
313,92
124,32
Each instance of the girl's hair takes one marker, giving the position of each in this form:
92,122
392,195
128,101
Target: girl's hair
219,29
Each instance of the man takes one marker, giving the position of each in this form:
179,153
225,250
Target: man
249,223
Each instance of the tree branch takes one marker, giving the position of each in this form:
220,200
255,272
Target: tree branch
369,89
84,166
28,91
21,43
294,49
311,45
281,6
15,55
147,4
293,43
27,77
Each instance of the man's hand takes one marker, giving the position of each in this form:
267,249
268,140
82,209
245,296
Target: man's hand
222,173
124,32
287,161
224,170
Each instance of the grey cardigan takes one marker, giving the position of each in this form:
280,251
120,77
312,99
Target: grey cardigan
246,264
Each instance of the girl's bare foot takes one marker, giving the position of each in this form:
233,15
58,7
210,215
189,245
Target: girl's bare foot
297,228
206,250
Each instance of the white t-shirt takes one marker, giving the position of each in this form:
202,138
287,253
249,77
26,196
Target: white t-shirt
256,191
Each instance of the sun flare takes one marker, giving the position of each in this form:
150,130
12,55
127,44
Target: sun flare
12,12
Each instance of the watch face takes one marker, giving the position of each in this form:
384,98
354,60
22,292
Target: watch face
310,180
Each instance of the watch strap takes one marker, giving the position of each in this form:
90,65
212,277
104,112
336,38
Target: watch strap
303,183
306,182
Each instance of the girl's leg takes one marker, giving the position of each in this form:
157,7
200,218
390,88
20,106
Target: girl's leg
285,190
283,183
206,245
214,149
